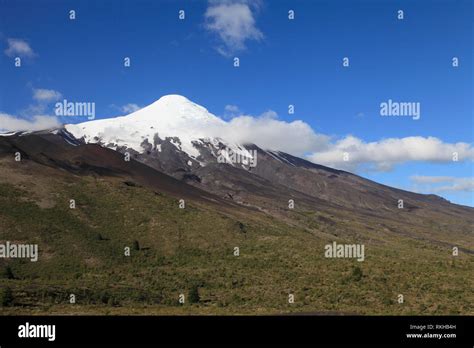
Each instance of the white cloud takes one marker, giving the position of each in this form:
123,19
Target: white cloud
19,48
384,154
34,117
421,179
450,183
43,98
270,114
268,132
9,123
299,139
46,95
129,108
233,22
465,185
233,109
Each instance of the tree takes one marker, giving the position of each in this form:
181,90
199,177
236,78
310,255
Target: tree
357,273
7,273
136,246
6,297
193,296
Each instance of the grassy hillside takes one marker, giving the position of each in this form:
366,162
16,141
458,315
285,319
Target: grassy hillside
191,251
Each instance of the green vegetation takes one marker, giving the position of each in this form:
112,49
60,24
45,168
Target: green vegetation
136,245
6,297
357,273
191,251
193,296
6,272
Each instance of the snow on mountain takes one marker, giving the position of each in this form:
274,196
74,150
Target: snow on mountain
172,116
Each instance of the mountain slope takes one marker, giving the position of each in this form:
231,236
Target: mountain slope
121,204
174,155
178,137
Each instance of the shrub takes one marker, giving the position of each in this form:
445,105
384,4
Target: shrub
136,245
357,273
7,273
193,296
104,297
6,297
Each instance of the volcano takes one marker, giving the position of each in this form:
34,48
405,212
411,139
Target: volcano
168,180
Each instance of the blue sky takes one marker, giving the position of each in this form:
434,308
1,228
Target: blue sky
282,62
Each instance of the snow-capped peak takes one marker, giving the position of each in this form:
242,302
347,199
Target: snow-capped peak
170,116
174,98
174,107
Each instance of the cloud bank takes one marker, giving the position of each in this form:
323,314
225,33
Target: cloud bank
382,155
9,123
300,139
268,132
348,153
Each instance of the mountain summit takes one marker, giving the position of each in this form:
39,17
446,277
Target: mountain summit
171,116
